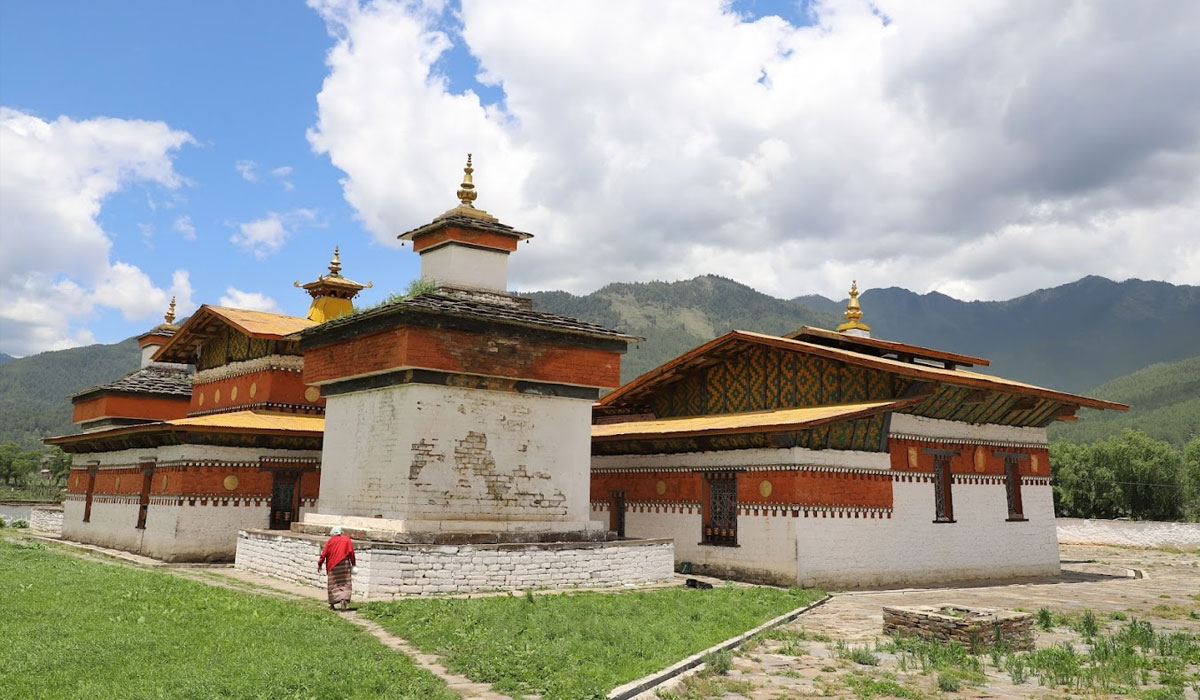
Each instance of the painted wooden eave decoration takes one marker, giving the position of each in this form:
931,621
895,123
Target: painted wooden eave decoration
217,428
875,346
779,420
207,320
733,342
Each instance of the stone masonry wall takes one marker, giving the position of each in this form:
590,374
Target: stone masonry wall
970,627
46,519
387,570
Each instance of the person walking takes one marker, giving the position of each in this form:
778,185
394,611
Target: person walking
338,558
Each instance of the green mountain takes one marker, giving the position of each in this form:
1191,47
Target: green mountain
34,389
1072,337
5,358
1164,402
675,317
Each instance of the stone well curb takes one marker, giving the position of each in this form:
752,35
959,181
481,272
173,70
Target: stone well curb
657,678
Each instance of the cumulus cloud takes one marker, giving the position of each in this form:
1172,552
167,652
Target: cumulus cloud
981,149
56,268
283,173
254,301
265,236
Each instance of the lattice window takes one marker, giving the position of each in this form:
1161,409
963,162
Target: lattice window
1012,488
720,525
943,502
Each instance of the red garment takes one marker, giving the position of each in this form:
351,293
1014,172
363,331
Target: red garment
336,549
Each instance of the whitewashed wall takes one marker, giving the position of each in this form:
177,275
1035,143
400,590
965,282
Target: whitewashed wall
414,454
1129,533
46,520
387,570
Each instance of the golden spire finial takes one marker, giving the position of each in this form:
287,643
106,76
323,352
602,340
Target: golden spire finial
169,317
335,264
467,193
854,313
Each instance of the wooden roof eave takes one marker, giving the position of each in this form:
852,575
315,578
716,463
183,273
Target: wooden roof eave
765,429
168,434
650,379
903,349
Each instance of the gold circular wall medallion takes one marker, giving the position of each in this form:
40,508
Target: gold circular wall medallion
312,393
233,394
164,483
661,487
231,482
200,399
217,396
253,389
913,458
980,458
117,484
764,488
1033,463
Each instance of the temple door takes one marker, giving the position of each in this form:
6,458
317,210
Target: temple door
616,512
284,500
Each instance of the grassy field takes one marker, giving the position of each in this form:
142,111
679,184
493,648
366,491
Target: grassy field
579,645
81,629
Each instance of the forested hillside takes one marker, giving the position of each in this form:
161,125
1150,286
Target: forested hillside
34,389
1164,402
675,317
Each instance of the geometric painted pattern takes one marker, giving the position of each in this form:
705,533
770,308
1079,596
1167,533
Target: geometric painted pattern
229,345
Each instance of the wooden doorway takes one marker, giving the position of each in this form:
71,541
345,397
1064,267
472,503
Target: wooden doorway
616,512
285,499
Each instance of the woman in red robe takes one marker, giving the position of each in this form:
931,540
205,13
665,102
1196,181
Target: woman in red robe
338,557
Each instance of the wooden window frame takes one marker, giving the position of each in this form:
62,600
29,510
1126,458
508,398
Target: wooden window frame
718,484
144,496
92,470
943,485
1012,485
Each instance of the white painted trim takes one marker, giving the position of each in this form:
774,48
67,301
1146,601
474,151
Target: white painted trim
936,429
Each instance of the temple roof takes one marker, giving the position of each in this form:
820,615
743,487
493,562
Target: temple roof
461,306
152,379
203,323
719,348
752,421
266,424
876,346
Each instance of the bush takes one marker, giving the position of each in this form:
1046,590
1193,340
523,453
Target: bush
947,684
2,523
20,524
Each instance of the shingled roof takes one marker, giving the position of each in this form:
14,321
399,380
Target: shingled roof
464,306
152,379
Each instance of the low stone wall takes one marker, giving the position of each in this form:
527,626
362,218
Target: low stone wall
1128,533
46,519
971,627
387,570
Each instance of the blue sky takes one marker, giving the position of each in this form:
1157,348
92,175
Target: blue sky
791,146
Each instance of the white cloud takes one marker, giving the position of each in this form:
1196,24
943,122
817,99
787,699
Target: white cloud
248,169
54,178
986,148
254,301
265,236
184,227
282,173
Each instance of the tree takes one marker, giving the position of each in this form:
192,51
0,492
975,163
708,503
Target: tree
1126,476
1191,479
59,464
10,453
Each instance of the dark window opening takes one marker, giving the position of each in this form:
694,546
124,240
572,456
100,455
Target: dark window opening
1012,488
616,512
943,500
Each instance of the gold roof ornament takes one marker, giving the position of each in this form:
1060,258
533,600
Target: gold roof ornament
332,293
169,317
854,314
466,198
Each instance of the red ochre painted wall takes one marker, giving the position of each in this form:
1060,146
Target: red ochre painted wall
798,486
484,239
461,351
122,406
269,385
910,456
183,480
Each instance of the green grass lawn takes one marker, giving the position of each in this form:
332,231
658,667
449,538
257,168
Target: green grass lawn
579,645
81,629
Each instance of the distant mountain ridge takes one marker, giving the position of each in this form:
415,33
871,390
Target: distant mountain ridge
1073,337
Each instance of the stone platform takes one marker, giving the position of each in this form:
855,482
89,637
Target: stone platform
971,627
390,569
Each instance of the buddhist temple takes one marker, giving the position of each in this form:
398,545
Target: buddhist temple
171,462
457,441
833,459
